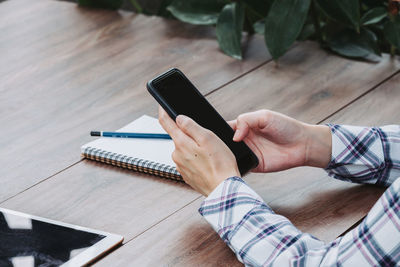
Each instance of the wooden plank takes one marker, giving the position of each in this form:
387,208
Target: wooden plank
73,203
308,84
104,193
186,240
67,70
314,202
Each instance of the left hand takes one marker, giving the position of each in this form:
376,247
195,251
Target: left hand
203,159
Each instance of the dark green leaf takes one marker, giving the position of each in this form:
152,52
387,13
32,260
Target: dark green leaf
110,4
346,11
374,15
283,24
259,27
392,32
307,31
201,12
229,29
349,43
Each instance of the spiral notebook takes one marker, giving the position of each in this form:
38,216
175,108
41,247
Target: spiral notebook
152,156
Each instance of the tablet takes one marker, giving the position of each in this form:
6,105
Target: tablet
27,240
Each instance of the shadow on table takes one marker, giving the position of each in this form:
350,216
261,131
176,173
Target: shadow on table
317,212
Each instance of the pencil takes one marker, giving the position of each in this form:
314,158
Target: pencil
130,135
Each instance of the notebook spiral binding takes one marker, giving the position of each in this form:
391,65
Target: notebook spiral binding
136,164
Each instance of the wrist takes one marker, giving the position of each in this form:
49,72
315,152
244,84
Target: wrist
319,145
217,189
222,177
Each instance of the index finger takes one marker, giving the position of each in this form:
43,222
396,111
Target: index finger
167,123
180,139
233,124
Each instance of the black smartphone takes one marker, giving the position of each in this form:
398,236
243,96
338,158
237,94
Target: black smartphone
177,95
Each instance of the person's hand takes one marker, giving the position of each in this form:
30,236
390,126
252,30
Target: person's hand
281,142
203,160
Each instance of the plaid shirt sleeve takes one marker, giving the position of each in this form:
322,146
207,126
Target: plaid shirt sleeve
259,237
365,155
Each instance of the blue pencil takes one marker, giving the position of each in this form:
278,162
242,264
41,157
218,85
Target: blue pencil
130,135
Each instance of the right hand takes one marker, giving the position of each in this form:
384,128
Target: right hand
281,142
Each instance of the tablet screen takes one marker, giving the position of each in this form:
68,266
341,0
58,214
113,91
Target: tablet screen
29,242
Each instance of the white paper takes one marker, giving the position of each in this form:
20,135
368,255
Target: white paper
157,150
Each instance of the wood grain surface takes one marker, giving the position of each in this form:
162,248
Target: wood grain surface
309,84
187,240
326,220
322,206
67,70
34,200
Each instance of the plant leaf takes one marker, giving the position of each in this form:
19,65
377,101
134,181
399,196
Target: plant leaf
229,29
138,8
199,12
259,27
374,15
391,31
109,4
349,43
347,11
307,31
283,24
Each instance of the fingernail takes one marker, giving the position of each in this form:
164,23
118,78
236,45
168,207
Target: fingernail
180,119
236,135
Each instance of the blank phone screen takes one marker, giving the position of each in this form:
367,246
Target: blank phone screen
182,97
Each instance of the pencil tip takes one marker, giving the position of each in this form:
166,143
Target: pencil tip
95,133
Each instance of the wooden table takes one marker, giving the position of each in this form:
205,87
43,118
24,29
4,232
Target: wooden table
66,70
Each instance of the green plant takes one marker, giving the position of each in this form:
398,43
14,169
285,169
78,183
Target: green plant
352,28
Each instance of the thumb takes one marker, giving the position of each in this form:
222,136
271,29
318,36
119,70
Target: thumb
191,128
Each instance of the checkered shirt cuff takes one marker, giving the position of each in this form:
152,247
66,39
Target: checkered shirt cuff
228,204
365,154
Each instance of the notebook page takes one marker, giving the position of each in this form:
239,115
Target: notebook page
157,150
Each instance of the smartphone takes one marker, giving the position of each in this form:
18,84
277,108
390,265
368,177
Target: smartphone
177,95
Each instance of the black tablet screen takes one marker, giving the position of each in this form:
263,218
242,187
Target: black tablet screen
28,242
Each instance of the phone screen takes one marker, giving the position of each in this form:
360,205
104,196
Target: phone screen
179,96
